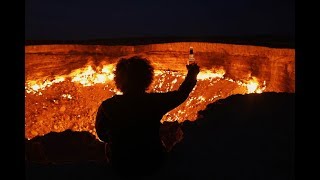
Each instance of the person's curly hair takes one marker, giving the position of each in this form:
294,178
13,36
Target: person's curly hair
133,74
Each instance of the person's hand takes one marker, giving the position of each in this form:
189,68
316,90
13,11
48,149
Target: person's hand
193,68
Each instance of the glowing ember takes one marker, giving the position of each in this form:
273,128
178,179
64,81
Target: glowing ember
35,86
68,96
71,101
89,77
208,74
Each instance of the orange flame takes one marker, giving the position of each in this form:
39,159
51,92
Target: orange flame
36,85
210,74
253,86
86,76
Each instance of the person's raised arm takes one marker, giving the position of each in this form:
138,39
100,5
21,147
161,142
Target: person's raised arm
170,100
190,80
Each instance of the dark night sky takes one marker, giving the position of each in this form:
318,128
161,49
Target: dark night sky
94,19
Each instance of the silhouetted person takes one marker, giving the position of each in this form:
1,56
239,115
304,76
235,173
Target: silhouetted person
130,123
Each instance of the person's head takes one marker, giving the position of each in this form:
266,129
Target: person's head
134,74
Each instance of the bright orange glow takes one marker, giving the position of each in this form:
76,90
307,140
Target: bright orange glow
88,77
209,88
253,86
36,85
209,74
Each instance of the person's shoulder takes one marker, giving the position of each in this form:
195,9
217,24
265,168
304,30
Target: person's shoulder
109,100
160,95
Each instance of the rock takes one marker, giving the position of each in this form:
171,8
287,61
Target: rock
67,146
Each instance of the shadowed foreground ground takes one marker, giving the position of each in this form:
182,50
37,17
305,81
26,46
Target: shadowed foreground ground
240,137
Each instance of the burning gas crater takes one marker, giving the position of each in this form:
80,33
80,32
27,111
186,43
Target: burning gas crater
71,101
